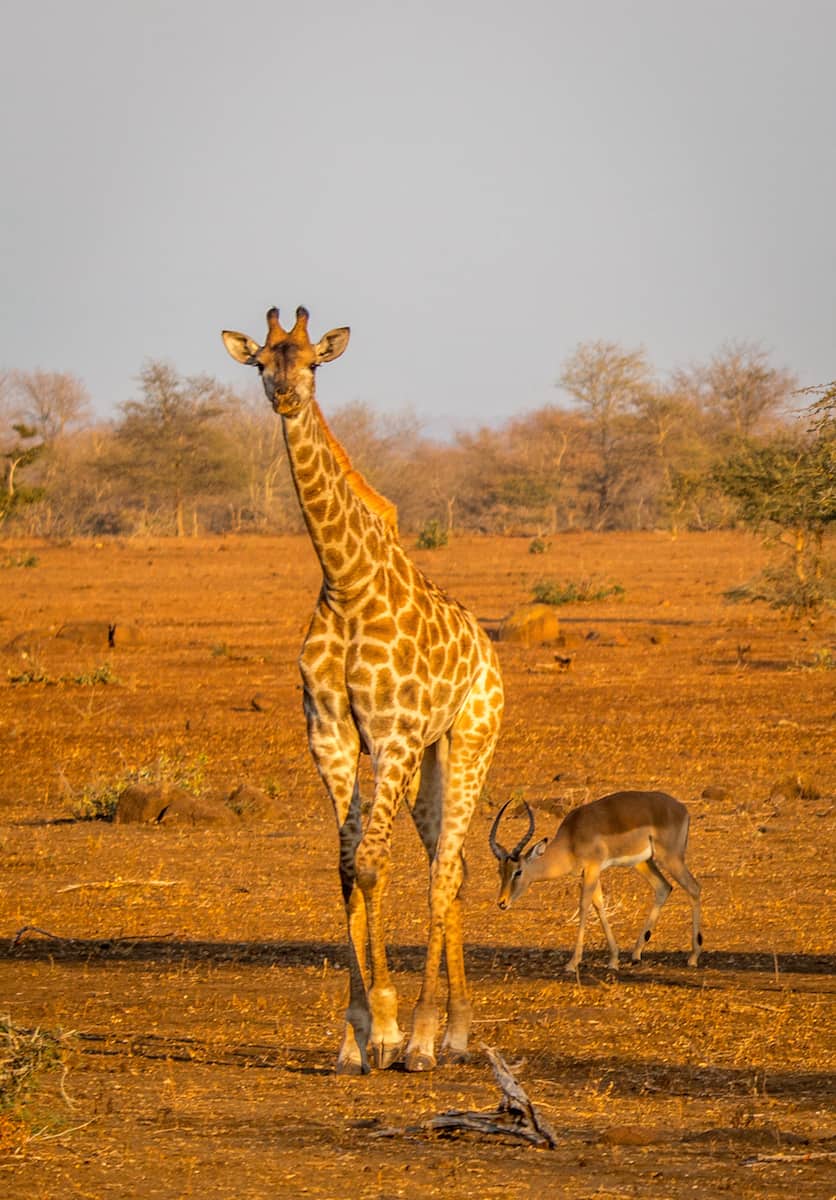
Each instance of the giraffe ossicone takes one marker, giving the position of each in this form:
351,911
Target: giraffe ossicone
391,666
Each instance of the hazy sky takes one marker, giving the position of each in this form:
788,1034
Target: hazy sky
474,186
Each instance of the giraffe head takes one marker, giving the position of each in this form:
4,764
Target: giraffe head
287,360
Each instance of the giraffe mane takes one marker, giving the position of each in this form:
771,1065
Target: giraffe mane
374,501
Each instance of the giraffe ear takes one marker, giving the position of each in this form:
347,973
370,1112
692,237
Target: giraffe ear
242,348
332,345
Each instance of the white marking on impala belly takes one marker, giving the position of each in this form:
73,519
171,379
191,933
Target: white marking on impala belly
628,860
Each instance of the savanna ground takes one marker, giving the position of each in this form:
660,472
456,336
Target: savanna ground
201,970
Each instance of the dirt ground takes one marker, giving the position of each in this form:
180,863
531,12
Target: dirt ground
201,969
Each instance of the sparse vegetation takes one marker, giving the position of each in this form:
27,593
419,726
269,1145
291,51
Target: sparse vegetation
35,673
99,800
433,536
28,1058
582,592
12,561
99,675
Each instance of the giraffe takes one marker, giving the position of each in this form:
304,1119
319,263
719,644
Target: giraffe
394,668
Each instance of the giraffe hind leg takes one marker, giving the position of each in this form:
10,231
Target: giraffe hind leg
425,803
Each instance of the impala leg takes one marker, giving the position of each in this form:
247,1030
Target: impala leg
598,903
676,865
589,882
662,889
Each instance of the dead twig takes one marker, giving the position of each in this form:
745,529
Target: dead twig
809,1156
515,1115
117,883
74,941
53,937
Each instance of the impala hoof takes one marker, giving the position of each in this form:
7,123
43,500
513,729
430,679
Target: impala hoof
418,1061
352,1067
383,1056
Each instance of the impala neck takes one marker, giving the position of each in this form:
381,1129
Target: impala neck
555,861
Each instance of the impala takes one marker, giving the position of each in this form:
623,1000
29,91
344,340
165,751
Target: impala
625,829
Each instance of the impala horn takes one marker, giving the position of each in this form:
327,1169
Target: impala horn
499,851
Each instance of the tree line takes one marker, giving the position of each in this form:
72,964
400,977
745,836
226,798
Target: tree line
621,448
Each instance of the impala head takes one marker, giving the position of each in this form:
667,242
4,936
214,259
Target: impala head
514,866
287,360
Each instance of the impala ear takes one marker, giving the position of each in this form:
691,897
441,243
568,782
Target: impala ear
332,345
242,348
537,850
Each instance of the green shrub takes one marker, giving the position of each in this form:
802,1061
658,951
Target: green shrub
587,590
432,536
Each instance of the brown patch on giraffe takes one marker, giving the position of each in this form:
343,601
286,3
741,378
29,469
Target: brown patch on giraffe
437,660
375,654
384,688
403,657
383,629
361,677
408,693
375,606
409,622
317,510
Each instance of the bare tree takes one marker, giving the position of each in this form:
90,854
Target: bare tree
740,388
51,401
170,446
607,383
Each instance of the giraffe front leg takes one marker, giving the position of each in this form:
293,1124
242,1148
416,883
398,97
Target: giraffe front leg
353,1058
335,748
459,1009
373,869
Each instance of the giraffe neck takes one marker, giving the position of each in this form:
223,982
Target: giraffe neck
347,536
358,483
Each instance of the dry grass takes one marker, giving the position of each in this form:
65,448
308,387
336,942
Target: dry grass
208,1009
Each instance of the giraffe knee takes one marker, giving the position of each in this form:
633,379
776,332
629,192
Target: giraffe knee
370,866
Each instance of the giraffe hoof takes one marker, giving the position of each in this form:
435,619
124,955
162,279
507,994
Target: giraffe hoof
418,1061
383,1056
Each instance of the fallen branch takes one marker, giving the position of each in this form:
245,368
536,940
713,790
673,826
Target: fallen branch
75,941
53,937
117,883
515,1115
809,1156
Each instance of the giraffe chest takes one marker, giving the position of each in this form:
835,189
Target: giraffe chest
397,674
